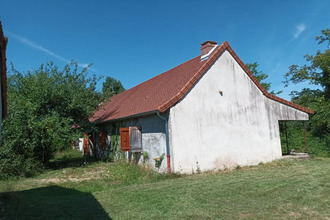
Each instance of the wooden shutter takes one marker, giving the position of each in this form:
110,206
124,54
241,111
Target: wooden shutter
124,139
135,137
86,144
102,138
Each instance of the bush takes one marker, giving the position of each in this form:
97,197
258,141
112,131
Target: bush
17,165
43,106
318,146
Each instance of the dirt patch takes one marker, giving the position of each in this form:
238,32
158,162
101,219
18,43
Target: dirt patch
69,179
247,216
68,175
295,214
296,156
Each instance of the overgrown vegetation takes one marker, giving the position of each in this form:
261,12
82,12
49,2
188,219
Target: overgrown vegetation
285,189
116,153
159,160
44,108
316,72
296,141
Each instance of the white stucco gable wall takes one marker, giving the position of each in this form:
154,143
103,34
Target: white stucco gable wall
285,113
240,127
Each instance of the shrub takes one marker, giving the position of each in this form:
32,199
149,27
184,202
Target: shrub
43,106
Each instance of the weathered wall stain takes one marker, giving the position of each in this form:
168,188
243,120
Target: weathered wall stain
239,127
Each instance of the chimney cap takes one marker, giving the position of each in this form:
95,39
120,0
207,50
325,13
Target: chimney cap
209,42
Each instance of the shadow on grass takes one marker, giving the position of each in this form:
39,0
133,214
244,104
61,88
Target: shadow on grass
70,160
52,202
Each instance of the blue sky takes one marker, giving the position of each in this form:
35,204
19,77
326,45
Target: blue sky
135,40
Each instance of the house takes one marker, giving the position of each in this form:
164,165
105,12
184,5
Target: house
207,113
3,77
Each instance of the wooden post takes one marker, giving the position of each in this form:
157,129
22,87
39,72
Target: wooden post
86,144
286,137
306,148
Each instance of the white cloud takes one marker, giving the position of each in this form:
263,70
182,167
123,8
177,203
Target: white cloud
41,48
299,29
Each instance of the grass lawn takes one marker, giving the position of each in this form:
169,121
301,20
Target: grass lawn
285,189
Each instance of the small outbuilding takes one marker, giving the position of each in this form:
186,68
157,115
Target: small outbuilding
207,113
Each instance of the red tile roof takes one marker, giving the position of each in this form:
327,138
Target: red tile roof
166,89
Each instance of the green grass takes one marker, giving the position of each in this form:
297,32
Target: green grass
285,189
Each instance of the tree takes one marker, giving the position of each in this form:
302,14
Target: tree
261,77
111,87
44,105
315,72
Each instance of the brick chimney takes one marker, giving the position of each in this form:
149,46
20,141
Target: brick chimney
207,47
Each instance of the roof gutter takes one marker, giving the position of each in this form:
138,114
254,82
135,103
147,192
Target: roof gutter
167,142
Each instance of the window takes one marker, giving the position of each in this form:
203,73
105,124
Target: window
131,139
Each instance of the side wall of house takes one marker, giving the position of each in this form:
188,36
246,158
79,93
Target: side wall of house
153,136
225,121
